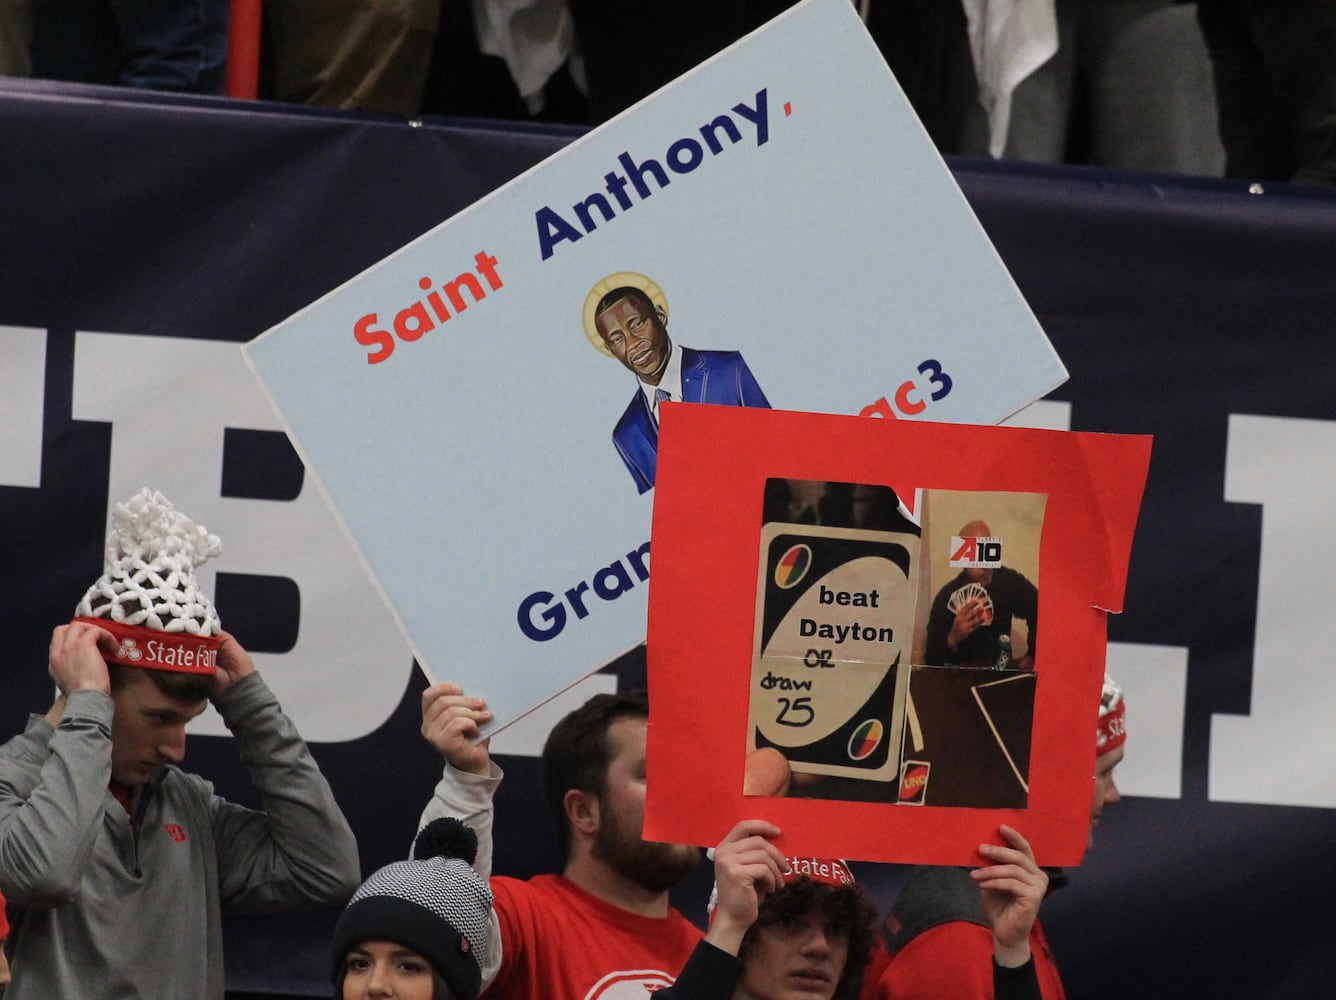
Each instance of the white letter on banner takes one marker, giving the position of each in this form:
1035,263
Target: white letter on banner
22,387
1044,415
169,400
1155,679
1288,466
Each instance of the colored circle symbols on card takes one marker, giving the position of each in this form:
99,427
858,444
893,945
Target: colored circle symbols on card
793,566
865,739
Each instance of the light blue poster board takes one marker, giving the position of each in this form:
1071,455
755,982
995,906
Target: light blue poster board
784,209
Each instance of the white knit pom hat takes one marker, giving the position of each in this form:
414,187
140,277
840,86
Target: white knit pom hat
148,596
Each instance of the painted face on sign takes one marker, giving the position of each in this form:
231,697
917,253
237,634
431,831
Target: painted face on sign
148,729
637,335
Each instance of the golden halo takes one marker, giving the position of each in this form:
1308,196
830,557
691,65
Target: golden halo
618,279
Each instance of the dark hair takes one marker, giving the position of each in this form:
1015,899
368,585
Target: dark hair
624,292
847,905
577,753
439,989
174,684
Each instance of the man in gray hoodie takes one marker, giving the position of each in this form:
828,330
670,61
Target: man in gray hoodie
116,864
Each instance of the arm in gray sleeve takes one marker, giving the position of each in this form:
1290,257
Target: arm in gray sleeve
299,851
468,798
53,793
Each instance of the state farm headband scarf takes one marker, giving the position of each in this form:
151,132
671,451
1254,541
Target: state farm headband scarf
147,596
827,871
1112,730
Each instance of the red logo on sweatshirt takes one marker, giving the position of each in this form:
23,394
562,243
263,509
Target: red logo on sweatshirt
175,832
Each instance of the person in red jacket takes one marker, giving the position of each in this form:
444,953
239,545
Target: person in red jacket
936,933
604,928
801,928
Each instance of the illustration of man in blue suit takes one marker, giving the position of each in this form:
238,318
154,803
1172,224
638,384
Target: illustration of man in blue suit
635,331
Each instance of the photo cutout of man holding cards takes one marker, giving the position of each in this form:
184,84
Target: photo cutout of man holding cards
626,318
985,605
971,702
842,703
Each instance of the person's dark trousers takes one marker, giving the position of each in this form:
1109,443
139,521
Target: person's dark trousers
178,45
1275,78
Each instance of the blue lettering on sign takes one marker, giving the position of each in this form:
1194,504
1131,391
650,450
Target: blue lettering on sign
543,615
683,156
909,397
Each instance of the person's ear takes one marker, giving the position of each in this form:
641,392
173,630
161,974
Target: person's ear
581,811
663,316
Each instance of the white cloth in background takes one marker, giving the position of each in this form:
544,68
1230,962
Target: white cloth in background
1009,40
533,37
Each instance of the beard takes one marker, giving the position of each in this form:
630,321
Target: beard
653,866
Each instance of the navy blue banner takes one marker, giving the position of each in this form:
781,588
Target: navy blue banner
1200,312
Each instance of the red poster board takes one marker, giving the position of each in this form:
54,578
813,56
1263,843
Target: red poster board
715,463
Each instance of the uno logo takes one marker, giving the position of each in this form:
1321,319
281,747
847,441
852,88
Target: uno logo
909,401
865,739
913,782
793,566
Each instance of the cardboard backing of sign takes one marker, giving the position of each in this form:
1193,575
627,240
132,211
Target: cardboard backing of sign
1010,745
